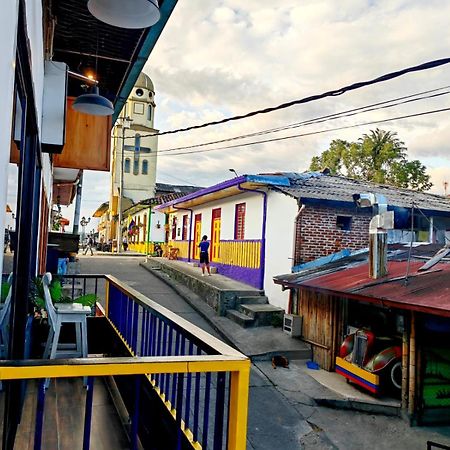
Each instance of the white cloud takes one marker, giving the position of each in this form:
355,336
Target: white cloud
226,57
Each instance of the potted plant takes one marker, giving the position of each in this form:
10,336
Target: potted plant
57,295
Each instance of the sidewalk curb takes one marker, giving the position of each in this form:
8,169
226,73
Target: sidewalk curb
193,299
360,406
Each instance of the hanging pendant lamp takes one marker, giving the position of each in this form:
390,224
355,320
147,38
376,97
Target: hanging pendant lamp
126,14
93,103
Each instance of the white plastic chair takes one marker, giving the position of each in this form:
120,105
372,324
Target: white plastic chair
64,313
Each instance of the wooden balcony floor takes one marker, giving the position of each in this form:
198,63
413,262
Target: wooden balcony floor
64,417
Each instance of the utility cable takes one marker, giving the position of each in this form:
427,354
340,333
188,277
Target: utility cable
283,138
321,119
333,93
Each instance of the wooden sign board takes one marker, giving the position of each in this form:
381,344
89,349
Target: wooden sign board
88,141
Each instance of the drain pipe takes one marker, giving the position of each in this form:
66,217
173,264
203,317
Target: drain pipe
190,228
263,232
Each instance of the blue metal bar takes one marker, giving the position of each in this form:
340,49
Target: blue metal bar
220,408
154,329
135,416
135,326
187,411
39,416
160,326
150,334
145,333
180,381
164,353
169,353
88,413
196,401
206,411
158,346
129,320
175,376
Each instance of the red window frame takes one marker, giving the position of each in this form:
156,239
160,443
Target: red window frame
174,228
239,221
184,235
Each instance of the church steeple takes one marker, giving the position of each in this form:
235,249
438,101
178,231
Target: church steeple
139,144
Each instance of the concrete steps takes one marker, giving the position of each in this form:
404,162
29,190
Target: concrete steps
263,314
251,300
255,314
240,318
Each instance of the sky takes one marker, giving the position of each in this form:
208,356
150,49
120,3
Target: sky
218,58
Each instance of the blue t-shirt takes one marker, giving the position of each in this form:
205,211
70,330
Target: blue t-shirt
204,245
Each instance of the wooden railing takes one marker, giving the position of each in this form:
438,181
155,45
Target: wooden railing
241,253
183,248
201,381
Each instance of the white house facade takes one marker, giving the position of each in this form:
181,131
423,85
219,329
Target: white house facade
249,227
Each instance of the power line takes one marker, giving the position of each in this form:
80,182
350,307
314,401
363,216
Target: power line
333,93
246,144
321,119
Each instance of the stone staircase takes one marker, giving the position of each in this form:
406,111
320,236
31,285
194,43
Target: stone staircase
254,311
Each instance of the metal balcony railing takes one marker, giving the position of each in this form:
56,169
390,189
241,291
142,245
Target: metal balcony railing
199,381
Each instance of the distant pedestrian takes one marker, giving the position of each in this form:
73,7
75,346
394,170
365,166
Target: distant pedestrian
125,243
204,255
90,244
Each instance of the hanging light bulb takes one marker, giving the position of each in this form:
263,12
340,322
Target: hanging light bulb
93,103
126,14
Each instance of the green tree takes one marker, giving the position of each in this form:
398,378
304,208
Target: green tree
378,156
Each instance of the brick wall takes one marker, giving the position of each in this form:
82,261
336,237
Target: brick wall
317,234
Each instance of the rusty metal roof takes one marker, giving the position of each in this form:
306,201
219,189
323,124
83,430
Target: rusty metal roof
427,291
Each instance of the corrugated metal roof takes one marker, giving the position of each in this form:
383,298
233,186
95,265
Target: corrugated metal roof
315,185
427,291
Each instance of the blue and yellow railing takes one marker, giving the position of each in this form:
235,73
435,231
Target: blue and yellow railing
202,382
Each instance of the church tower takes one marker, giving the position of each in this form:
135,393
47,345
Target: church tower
134,150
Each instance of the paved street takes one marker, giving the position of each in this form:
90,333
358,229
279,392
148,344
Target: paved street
282,413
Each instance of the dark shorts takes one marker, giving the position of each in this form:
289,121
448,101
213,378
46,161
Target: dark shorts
204,258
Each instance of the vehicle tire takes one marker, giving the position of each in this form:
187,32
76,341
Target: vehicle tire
396,375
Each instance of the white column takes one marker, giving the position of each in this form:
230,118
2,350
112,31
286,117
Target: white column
8,33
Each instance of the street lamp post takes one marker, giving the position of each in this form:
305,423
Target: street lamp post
83,223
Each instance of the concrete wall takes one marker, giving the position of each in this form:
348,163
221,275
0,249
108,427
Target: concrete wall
281,213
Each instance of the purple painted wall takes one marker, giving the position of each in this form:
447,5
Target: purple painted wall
252,277
245,275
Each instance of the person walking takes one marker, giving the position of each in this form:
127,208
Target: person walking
204,255
89,246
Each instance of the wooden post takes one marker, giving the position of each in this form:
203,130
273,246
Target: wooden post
405,368
412,366
237,427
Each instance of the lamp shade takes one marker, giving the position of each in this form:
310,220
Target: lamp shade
126,14
93,104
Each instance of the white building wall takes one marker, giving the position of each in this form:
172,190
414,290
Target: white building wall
280,226
35,34
8,27
157,234
253,217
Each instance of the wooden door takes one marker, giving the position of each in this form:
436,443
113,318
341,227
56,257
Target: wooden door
215,234
197,235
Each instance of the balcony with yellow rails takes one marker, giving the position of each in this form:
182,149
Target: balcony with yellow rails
174,385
